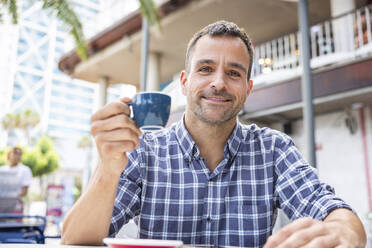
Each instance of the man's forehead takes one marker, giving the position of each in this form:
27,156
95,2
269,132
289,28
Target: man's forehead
206,39
209,48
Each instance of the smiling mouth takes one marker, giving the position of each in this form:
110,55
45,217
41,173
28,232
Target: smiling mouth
217,99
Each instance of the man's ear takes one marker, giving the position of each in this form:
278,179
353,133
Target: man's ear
183,81
250,86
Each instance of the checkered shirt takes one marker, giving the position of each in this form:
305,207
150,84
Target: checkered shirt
172,194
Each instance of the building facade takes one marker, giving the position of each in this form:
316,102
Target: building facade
31,79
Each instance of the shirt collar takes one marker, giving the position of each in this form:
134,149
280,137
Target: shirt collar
234,141
190,149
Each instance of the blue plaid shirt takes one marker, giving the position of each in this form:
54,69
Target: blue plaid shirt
169,186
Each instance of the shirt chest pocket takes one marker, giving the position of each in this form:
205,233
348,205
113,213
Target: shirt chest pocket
250,218
254,221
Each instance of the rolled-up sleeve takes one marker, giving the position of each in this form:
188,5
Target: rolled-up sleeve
298,190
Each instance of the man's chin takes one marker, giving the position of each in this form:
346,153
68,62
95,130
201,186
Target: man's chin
213,121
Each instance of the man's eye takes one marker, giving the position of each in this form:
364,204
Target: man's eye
205,69
234,74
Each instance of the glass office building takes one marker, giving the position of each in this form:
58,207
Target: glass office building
31,80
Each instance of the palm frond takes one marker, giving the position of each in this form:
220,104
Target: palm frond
2,3
11,6
68,17
149,10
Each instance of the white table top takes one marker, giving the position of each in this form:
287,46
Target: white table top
45,246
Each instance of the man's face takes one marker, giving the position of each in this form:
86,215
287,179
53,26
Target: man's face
216,84
15,156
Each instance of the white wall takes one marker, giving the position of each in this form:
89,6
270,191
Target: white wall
340,156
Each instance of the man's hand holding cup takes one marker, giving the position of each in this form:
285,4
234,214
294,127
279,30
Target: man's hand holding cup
116,133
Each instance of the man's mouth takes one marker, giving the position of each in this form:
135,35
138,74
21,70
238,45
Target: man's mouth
217,99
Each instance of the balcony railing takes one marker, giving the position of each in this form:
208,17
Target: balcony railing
339,40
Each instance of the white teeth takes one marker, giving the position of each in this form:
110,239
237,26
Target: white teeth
217,99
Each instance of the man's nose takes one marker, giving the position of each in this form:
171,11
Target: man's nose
219,80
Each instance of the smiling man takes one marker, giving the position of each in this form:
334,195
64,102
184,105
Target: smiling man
208,179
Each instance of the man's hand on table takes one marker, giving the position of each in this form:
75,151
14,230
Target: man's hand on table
307,232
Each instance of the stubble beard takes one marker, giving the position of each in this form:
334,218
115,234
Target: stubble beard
229,114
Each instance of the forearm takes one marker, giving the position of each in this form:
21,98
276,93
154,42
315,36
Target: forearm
88,221
349,222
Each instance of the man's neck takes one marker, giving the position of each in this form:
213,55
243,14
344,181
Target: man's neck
210,139
13,165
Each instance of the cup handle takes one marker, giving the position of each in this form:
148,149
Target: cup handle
130,105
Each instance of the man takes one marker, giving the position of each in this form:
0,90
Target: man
15,179
208,179
23,174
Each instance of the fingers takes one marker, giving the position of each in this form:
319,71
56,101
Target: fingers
279,237
110,110
329,240
115,133
304,232
115,122
118,135
306,236
116,149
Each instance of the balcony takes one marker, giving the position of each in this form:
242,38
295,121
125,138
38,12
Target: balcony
341,50
341,61
115,52
347,37
340,53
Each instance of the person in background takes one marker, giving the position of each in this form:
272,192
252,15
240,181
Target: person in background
23,173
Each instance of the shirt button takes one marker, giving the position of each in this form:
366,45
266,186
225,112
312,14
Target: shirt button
209,219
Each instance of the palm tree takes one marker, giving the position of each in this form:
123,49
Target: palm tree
10,122
64,12
85,142
24,121
28,120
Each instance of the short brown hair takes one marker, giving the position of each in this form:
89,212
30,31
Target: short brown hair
17,150
221,28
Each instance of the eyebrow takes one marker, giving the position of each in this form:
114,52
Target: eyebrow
211,62
238,66
205,61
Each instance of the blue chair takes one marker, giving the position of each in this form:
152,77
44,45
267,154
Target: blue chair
15,228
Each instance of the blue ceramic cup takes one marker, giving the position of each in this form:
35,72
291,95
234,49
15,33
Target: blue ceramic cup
150,110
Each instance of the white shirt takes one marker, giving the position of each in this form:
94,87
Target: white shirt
22,177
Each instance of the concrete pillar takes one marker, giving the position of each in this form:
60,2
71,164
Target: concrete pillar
306,81
343,27
102,92
91,153
153,72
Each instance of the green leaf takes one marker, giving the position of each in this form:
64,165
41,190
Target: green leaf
85,142
11,6
42,158
4,155
63,11
149,10
68,17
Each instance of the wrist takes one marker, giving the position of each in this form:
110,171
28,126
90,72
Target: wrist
105,176
112,167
